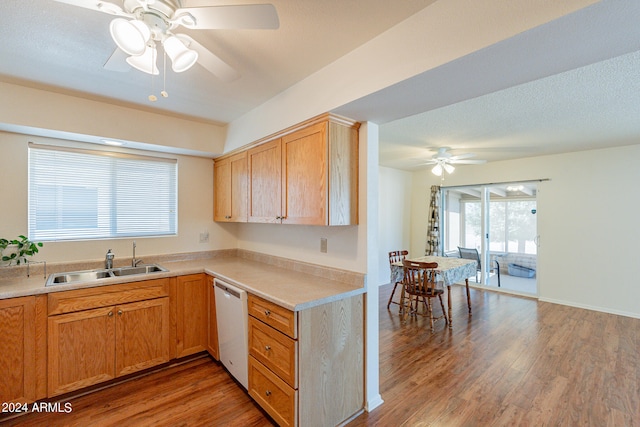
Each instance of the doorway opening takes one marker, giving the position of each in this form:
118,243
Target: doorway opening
499,221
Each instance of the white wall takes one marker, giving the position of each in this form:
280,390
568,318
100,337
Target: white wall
29,107
440,33
195,210
587,220
395,216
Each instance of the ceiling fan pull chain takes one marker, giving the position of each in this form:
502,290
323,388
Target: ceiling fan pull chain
164,75
152,97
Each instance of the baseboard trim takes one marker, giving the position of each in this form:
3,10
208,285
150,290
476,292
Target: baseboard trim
591,307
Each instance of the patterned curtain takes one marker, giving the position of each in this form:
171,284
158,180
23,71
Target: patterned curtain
433,226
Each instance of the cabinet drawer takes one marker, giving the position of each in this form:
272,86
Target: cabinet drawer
274,349
103,296
273,315
272,394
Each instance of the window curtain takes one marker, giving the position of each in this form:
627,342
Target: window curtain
433,223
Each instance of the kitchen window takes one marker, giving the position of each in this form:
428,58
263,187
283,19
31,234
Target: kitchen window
88,194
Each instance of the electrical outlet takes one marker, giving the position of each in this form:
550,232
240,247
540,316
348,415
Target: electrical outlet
323,245
204,237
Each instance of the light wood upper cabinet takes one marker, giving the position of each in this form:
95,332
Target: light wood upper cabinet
304,177
192,314
230,188
18,355
265,182
309,175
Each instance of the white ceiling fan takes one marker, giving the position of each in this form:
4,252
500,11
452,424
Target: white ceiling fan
444,161
142,24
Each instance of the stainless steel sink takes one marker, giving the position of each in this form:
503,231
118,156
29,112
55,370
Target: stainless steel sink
142,269
77,276
89,275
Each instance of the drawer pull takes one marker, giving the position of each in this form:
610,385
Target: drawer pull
120,312
267,312
267,347
110,314
268,392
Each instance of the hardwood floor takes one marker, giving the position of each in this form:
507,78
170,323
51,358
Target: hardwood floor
514,362
197,393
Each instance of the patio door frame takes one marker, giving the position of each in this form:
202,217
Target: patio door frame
485,200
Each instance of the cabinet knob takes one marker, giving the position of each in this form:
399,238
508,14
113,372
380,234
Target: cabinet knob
267,347
119,312
110,314
267,313
268,392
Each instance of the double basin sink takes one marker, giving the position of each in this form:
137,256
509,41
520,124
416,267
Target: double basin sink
88,275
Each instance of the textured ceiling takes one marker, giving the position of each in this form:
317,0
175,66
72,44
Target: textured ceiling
65,47
571,84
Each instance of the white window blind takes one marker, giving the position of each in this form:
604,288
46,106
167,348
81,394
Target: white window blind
86,194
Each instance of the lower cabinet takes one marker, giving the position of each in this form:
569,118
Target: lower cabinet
23,350
102,334
192,314
212,325
293,355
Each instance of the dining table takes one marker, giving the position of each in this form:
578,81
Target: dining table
450,271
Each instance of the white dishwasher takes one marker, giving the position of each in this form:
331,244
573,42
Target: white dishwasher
232,318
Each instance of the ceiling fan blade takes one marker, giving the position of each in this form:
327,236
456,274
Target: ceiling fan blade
467,162
209,61
117,62
462,156
250,16
98,5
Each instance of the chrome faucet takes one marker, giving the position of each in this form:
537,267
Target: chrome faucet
134,261
108,260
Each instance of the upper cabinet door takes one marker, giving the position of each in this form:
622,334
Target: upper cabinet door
230,187
265,183
304,176
239,187
222,190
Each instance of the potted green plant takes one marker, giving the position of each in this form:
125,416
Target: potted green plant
18,250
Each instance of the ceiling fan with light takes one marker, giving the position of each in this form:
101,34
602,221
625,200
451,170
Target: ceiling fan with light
141,26
444,161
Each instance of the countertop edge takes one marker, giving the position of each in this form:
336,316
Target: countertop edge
183,271
284,304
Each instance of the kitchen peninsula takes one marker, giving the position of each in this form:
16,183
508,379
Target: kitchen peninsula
324,305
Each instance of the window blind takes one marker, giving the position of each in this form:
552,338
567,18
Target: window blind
89,194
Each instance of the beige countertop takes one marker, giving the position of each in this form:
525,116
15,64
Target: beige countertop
289,288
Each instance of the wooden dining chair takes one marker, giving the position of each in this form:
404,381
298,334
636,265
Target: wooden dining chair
420,284
396,256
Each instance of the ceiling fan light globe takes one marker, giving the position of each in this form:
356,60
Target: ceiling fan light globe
449,168
182,58
437,170
145,62
130,36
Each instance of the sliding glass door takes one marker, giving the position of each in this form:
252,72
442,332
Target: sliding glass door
499,221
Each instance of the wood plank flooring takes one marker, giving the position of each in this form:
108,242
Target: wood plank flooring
514,362
197,393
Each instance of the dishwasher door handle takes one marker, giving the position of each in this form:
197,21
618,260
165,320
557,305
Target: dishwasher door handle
227,291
